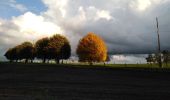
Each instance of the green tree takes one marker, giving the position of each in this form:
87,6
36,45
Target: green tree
150,59
59,48
91,48
166,57
41,47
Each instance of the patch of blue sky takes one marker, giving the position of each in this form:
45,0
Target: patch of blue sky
10,8
35,6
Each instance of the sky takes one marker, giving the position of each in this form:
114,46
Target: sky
126,26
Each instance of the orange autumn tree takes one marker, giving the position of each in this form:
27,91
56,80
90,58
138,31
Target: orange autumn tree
91,48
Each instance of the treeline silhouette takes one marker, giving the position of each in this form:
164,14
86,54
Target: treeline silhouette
56,47
91,48
154,58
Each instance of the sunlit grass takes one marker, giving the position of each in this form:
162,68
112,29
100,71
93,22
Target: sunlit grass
94,65
121,65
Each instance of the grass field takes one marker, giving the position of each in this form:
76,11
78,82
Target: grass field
100,65
20,81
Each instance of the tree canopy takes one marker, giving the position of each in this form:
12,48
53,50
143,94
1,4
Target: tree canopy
56,47
91,48
11,54
166,56
41,47
26,51
59,48
19,52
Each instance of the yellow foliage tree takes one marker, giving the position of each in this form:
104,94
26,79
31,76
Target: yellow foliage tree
91,48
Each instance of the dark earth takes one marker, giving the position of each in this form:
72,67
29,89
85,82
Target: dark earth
72,82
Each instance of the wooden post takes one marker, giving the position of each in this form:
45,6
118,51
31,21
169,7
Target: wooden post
159,47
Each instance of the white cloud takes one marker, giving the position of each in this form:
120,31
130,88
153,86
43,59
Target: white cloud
140,5
103,14
26,27
60,5
34,24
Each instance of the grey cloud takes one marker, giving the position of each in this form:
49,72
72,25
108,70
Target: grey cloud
132,31
129,30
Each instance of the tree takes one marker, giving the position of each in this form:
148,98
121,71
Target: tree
165,56
150,59
65,51
91,48
8,54
59,48
41,47
12,54
26,51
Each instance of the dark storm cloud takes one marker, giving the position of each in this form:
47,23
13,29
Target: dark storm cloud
130,30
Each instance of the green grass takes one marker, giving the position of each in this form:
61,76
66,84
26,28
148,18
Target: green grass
86,65
123,65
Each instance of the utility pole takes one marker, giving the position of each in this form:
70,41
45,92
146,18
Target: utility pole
159,47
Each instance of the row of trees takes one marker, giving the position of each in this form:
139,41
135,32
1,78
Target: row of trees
19,52
153,58
91,48
56,47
